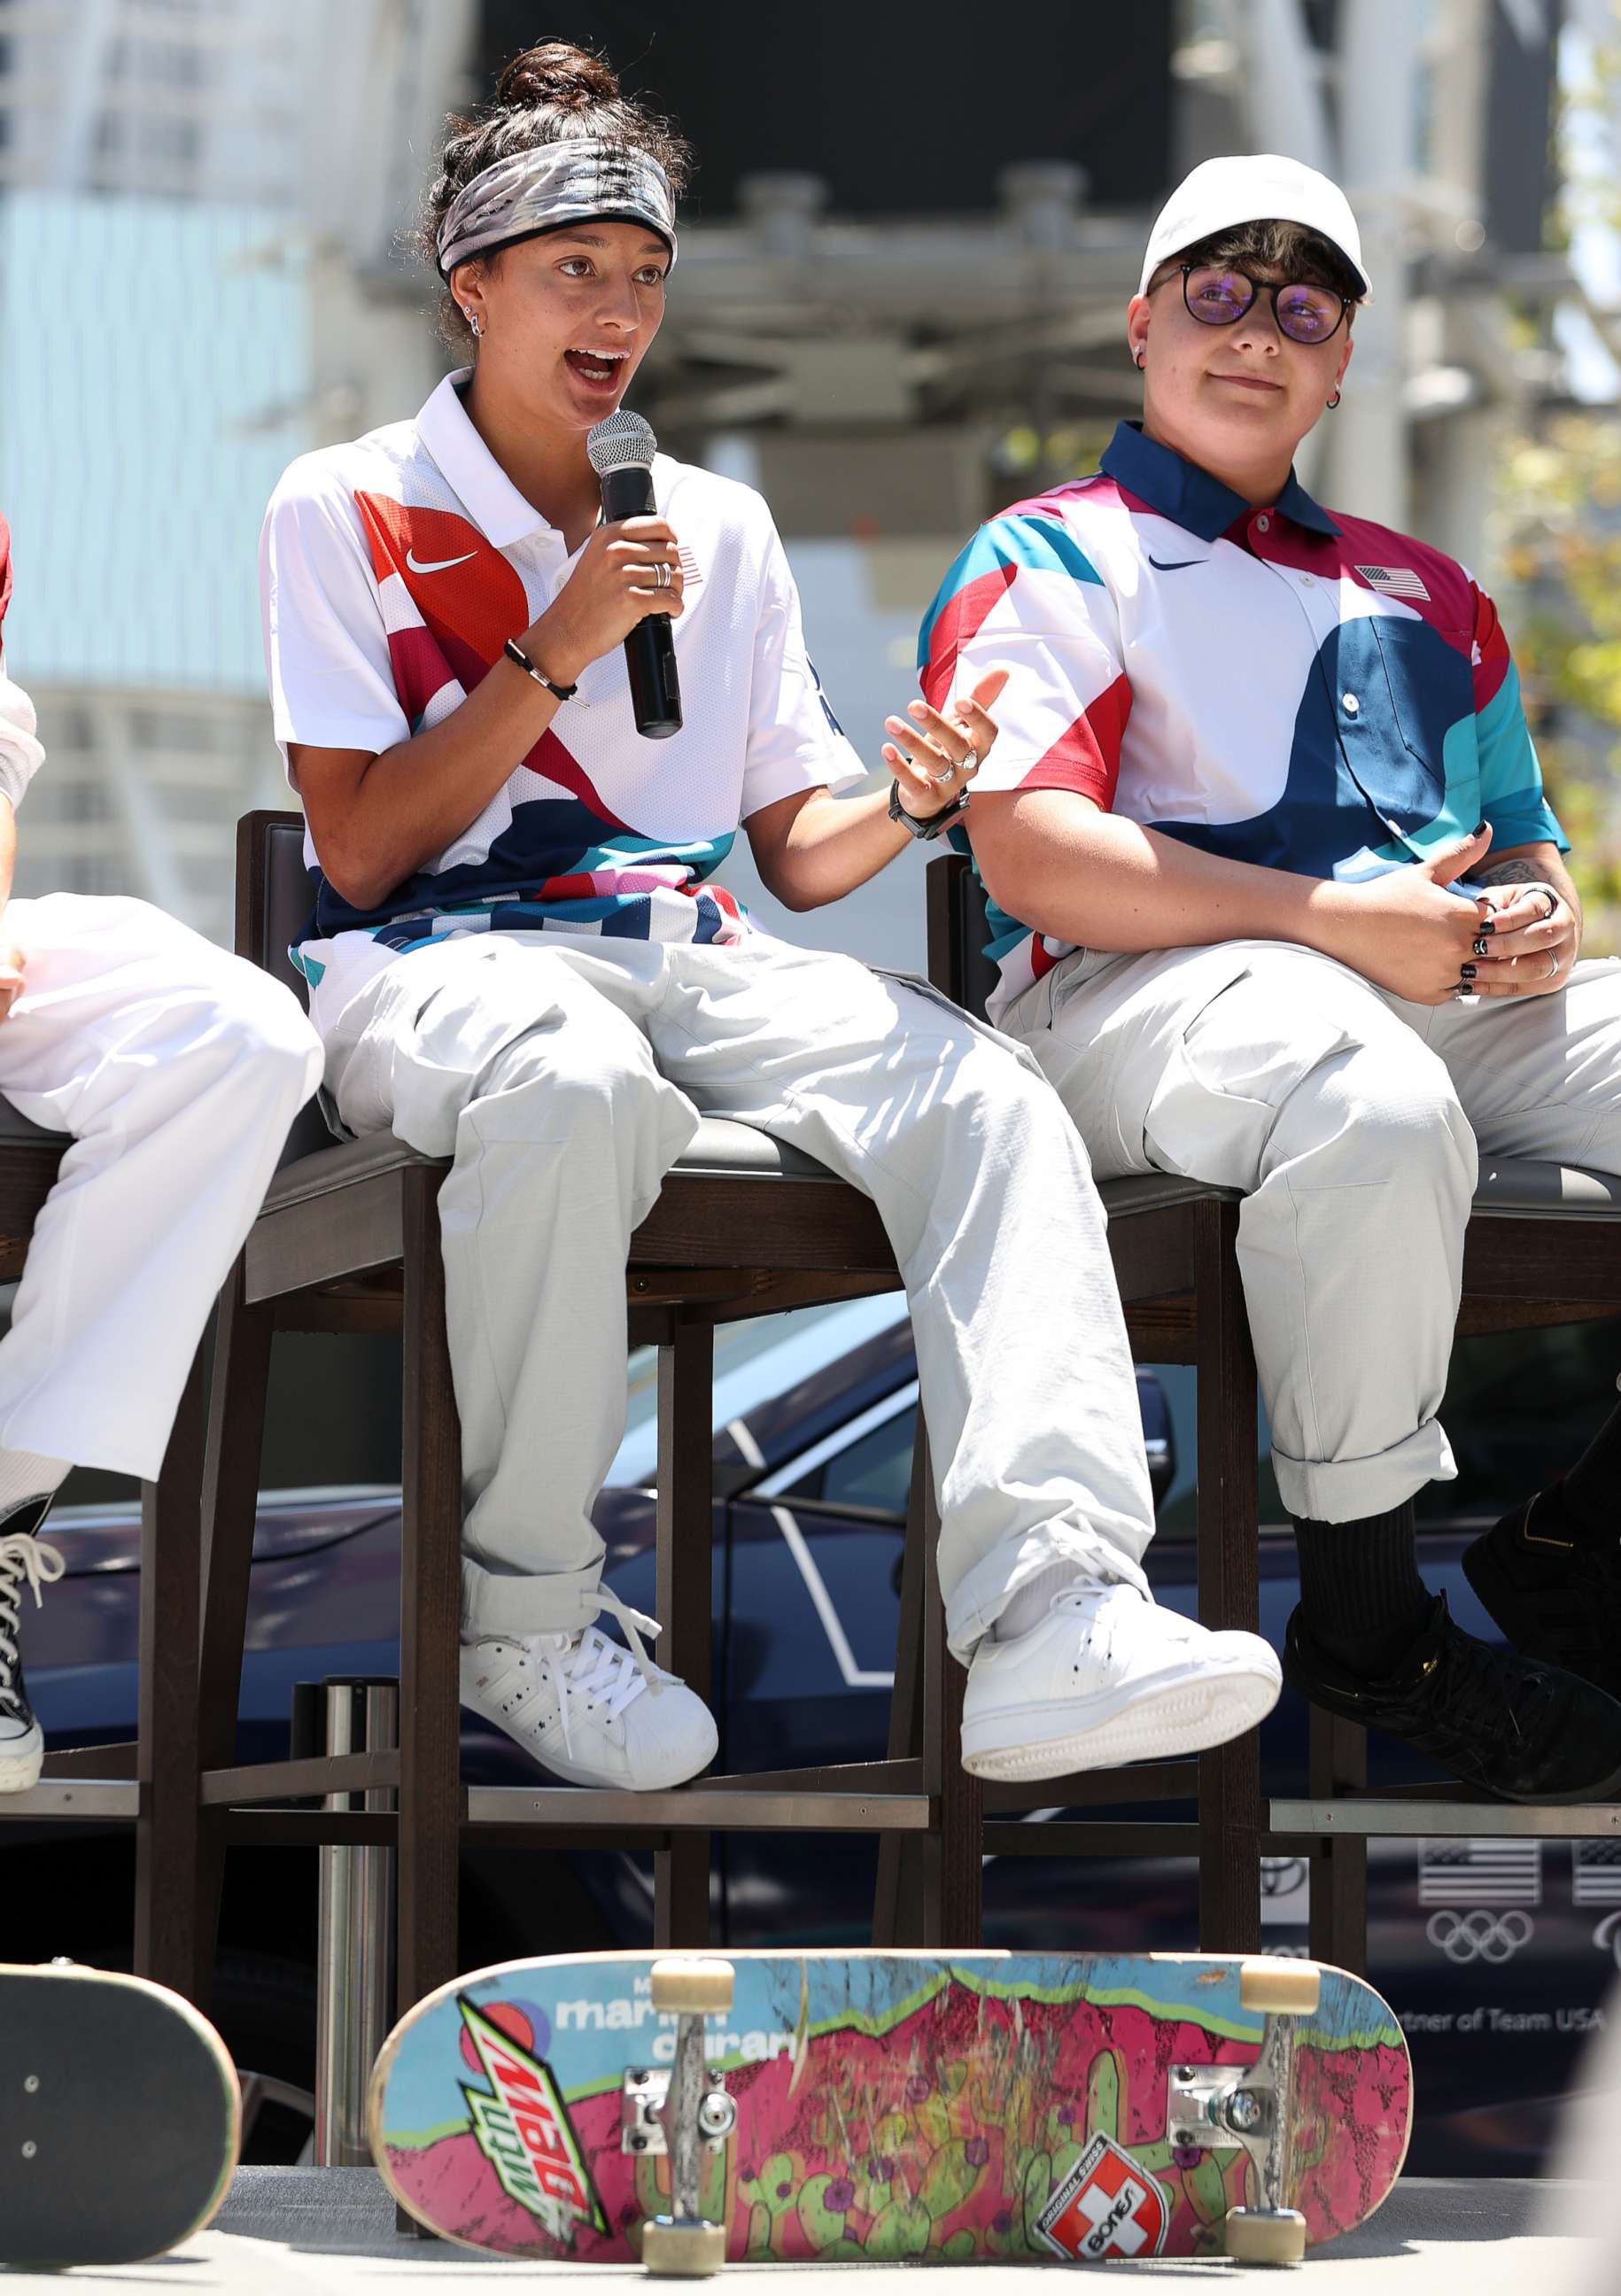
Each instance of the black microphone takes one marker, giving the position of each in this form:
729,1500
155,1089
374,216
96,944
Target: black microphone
621,447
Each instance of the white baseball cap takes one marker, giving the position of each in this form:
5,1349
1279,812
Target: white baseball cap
1252,187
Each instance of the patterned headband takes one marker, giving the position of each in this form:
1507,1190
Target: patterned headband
567,182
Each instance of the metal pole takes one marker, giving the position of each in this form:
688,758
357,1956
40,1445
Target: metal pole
354,1945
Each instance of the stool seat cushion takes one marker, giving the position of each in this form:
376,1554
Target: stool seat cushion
15,1126
1514,1185
721,1145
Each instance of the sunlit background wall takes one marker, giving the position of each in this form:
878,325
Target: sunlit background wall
891,331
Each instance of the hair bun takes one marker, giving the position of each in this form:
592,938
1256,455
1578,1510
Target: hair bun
555,73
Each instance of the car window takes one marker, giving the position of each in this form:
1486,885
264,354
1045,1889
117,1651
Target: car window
874,1471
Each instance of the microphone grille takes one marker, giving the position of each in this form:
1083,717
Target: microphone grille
619,441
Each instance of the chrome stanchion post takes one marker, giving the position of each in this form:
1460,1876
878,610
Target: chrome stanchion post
355,1943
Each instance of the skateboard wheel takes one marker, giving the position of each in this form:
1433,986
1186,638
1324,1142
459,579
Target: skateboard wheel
1288,1989
682,2248
1254,2237
691,1988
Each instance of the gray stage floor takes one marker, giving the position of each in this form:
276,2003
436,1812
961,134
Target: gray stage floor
306,2231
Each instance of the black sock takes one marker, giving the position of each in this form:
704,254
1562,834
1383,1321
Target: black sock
1361,1594
1581,1505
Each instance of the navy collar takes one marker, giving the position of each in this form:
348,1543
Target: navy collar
1179,490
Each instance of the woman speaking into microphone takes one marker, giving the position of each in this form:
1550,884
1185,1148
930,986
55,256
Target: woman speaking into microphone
520,959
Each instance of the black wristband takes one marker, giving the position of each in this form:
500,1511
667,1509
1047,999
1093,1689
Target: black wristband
515,652
932,823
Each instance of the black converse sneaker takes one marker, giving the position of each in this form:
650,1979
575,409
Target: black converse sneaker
1511,1725
1552,1596
24,1560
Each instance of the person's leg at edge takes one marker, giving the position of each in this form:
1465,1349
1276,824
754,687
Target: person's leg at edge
1275,1071
524,1062
177,1070
1024,1371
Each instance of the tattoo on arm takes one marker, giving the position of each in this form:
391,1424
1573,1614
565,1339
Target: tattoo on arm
1509,873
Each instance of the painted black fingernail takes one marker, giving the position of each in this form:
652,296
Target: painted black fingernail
1481,827
1488,924
1466,972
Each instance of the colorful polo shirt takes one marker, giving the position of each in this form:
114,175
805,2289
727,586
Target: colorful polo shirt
1285,686
392,572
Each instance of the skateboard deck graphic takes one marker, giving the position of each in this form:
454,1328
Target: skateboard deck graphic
889,2105
119,2117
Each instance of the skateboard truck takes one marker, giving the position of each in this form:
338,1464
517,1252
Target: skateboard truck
688,2112
641,2113
1252,2106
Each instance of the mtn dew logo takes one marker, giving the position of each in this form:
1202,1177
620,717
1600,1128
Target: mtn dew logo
522,2129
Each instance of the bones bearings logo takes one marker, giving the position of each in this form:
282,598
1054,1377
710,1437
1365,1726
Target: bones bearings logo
1106,2206
524,2131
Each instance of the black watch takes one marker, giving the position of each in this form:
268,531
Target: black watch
934,823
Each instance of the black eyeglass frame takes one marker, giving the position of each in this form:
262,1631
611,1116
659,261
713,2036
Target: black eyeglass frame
1273,287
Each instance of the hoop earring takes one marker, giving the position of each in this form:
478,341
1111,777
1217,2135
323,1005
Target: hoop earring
1333,402
1140,358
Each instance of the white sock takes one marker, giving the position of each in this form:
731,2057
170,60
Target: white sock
28,1475
1029,1605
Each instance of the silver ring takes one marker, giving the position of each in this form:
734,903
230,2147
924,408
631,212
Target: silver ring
1553,901
662,573
1554,964
955,766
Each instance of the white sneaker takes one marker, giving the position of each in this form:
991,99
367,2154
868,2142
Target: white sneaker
593,1712
23,1560
1107,1676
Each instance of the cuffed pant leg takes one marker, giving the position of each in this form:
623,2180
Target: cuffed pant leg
178,1069
527,1064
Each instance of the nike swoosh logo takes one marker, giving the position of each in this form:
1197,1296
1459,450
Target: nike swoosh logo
435,565
1169,565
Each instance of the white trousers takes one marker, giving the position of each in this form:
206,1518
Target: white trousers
1350,1120
179,1070
565,1075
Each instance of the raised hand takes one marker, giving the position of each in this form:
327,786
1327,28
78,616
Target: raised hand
935,757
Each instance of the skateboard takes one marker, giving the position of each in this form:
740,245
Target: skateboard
119,2117
873,2105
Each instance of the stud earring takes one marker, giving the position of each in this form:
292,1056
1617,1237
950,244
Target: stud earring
472,318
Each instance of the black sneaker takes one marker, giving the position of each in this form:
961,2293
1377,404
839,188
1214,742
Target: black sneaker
24,1560
1509,1725
1552,1597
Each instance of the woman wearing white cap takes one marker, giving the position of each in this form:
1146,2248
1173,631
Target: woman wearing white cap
1280,904
522,957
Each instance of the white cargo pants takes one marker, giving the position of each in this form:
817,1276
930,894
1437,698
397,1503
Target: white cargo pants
179,1070
565,1075
1349,1119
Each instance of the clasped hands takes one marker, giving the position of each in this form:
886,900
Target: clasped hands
1409,933
1528,941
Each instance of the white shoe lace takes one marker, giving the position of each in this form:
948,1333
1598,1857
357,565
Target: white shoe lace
602,1672
23,1558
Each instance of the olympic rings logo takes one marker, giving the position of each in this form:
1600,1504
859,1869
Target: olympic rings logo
1479,1936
